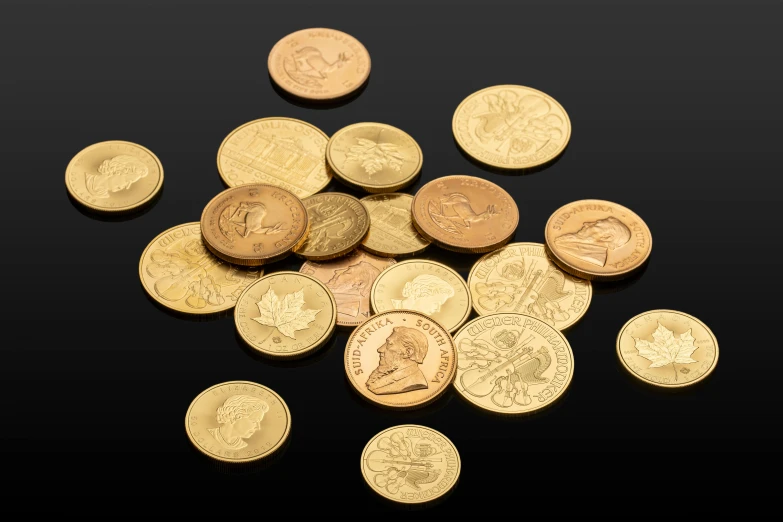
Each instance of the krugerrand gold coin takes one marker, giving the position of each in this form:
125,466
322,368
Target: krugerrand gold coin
178,271
520,278
598,240
411,464
512,363
423,286
667,348
319,64
465,214
350,279
511,127
286,315
391,226
238,422
400,359
338,223
283,152
254,224
114,176
374,157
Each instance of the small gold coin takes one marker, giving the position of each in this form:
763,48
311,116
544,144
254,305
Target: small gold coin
114,176
521,278
598,240
667,348
374,157
411,464
238,422
178,271
423,286
286,315
511,127
400,359
391,226
512,363
283,152
338,223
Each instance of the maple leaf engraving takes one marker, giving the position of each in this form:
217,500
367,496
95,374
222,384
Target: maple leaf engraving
286,315
374,156
666,349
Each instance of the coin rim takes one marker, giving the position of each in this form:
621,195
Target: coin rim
338,253
387,254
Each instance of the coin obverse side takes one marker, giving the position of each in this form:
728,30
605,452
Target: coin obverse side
400,359
238,422
338,223
391,226
521,278
512,364
286,315
667,348
411,464
114,176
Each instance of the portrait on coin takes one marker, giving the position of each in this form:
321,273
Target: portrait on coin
425,293
398,368
239,417
351,286
594,240
115,174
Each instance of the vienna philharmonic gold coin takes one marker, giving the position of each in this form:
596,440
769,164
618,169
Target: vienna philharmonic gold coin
283,152
338,223
411,464
238,422
512,363
286,315
511,127
400,359
520,278
374,157
114,176
391,226
423,286
254,224
319,64
599,240
667,348
465,214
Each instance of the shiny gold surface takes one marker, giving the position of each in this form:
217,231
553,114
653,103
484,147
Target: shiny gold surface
338,223
391,226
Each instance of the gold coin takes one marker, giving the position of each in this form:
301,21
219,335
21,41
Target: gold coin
391,226
512,363
599,240
338,223
238,422
411,464
667,348
465,214
374,157
520,278
283,152
350,279
400,359
511,127
319,64
423,286
114,176
286,315
254,224
178,271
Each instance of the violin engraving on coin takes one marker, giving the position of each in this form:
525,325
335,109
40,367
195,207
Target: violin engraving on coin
391,226
338,223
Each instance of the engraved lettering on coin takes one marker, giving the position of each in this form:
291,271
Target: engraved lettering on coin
307,66
338,223
425,294
239,418
286,314
592,242
453,212
247,218
391,226
114,175
398,368
374,156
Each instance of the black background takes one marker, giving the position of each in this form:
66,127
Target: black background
676,113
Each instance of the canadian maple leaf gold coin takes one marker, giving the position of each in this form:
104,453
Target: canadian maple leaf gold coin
338,223
391,226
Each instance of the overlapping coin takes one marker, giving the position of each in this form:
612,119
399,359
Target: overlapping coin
391,226
338,223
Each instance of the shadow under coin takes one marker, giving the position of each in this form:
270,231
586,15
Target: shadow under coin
653,391
541,413
399,506
318,104
461,262
396,415
306,360
196,318
115,216
612,287
244,468
508,172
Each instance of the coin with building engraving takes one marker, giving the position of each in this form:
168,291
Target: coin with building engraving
391,226
338,223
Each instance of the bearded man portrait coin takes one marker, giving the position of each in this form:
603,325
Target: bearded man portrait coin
398,369
594,240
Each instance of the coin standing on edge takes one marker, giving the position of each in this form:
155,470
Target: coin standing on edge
338,223
391,226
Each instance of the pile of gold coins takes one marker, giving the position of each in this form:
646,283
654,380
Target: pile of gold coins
413,337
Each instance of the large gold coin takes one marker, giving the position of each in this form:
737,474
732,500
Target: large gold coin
511,127
512,363
520,278
400,359
238,422
350,279
465,214
319,64
599,240
282,152
254,224
178,271
338,223
391,226
423,286
667,348
114,176
374,157
286,315
411,464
